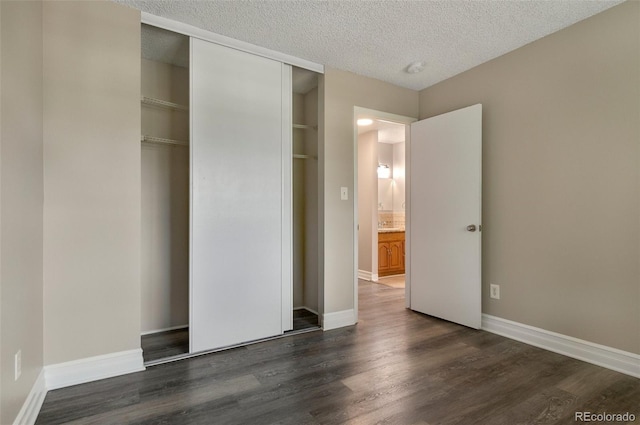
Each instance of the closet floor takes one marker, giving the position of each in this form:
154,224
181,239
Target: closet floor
304,319
172,343
165,344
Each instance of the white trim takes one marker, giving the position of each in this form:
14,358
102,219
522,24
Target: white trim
365,275
191,194
339,319
93,368
191,31
375,277
356,217
33,403
407,216
155,331
601,355
286,307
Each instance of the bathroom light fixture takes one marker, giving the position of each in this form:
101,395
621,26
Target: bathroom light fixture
384,172
365,121
415,67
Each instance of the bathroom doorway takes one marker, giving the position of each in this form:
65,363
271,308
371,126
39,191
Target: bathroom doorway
381,142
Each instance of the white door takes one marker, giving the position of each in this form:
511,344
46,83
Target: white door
241,197
445,200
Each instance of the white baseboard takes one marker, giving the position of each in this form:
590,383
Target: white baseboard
365,275
155,331
601,355
339,319
31,407
374,277
93,368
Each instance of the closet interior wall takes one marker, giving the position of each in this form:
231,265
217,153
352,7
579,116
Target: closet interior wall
305,190
299,215
165,199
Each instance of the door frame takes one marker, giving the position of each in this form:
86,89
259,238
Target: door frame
400,119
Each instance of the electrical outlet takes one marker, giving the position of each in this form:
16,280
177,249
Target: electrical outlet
18,365
494,291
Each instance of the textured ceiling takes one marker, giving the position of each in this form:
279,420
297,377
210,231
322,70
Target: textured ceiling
172,48
380,38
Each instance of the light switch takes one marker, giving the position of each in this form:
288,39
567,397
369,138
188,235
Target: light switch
344,193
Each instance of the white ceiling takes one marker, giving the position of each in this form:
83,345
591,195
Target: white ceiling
379,38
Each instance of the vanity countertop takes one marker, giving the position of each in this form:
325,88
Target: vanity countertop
390,229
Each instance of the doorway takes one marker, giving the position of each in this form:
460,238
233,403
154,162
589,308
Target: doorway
443,245
380,143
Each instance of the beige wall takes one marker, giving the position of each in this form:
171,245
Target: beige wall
560,182
343,91
21,193
399,177
298,201
311,201
165,201
385,186
367,200
91,179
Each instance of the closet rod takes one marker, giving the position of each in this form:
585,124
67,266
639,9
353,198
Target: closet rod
151,139
305,127
163,103
298,156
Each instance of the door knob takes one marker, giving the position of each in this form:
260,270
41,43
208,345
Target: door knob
471,228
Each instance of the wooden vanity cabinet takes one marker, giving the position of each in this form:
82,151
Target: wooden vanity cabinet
390,253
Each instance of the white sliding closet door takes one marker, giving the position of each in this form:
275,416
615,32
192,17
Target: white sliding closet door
241,197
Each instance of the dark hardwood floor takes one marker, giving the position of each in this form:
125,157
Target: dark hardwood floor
394,367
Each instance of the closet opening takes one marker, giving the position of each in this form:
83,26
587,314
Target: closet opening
230,187
305,199
165,193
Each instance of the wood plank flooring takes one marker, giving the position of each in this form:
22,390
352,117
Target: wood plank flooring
394,367
396,281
